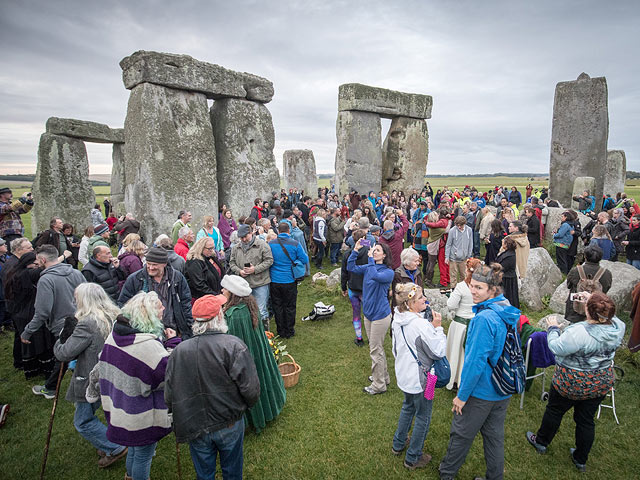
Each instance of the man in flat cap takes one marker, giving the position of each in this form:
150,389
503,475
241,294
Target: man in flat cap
11,226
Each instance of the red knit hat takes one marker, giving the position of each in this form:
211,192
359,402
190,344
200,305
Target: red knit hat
207,307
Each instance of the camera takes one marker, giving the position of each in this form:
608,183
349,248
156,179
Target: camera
428,314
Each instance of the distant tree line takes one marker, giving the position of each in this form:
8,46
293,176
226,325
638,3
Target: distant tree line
632,175
29,178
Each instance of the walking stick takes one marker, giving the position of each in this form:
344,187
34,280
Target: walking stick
53,412
178,458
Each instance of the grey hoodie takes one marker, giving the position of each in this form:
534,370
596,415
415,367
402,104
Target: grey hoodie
54,299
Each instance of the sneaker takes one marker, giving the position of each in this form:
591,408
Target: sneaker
422,462
109,460
580,466
42,390
371,380
371,391
406,444
359,342
531,437
4,411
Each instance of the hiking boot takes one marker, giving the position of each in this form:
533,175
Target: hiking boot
406,444
4,411
531,437
359,342
422,462
580,466
371,391
109,460
44,391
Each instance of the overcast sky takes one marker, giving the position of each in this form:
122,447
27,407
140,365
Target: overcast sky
490,66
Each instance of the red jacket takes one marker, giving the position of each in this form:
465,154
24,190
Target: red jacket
181,248
395,241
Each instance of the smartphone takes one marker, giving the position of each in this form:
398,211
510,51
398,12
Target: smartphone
428,314
365,243
247,265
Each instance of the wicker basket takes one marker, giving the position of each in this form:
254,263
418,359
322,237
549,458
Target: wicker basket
290,372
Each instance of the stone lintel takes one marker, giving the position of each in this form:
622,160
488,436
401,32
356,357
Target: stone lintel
386,103
84,130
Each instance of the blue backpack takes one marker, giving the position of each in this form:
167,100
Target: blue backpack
441,367
508,375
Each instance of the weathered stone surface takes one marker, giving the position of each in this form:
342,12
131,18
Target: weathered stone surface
543,276
579,135
244,138
580,184
87,131
562,322
319,277
170,157
558,300
61,187
334,278
615,172
117,176
186,73
358,153
438,303
299,171
405,154
554,220
386,103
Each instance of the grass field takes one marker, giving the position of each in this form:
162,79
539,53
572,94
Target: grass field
328,429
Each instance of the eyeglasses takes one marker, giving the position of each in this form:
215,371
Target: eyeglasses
208,248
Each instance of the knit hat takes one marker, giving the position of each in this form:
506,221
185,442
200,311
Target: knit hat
276,203
5,190
100,229
157,255
374,229
236,285
243,230
363,222
207,307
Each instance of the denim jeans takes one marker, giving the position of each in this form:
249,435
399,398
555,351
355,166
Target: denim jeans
229,443
261,294
92,429
139,461
476,244
335,250
413,405
635,263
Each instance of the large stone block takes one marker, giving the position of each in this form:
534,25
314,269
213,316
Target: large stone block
87,131
580,184
615,172
170,157
558,300
299,171
386,103
118,181
554,219
405,154
186,73
61,187
244,138
543,277
358,152
579,135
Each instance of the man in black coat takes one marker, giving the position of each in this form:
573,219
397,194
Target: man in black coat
533,226
104,270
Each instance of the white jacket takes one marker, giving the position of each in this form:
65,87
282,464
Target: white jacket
414,325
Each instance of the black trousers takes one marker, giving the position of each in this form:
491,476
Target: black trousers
562,259
583,413
52,379
320,252
283,301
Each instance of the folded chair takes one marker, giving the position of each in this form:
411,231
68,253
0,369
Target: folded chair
541,358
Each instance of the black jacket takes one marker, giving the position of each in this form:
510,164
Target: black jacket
178,290
202,277
349,279
51,237
590,269
533,231
508,261
105,275
577,233
633,249
210,381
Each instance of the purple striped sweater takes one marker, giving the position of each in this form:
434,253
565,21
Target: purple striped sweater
132,367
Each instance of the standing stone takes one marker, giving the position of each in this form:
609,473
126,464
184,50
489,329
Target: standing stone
117,176
61,187
299,171
579,135
543,277
386,103
581,184
358,154
170,158
405,154
244,139
615,172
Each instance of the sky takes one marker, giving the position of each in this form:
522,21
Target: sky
491,68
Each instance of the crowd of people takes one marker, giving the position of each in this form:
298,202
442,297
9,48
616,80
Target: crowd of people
169,333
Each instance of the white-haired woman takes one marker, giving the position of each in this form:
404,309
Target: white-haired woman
407,272
131,369
95,315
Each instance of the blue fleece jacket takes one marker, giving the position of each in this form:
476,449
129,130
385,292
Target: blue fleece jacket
564,235
282,270
375,286
485,341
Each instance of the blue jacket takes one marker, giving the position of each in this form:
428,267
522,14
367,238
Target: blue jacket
607,246
282,270
485,341
375,287
564,235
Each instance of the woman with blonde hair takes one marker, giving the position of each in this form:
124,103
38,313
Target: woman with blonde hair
243,320
602,238
131,370
128,240
203,270
210,230
95,315
131,258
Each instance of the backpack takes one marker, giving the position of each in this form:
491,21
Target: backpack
439,365
508,375
320,312
586,284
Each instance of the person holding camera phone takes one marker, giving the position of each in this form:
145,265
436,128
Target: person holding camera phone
11,226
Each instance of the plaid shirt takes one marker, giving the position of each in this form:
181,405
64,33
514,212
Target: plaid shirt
10,223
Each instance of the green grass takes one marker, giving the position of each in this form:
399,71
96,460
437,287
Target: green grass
328,429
